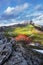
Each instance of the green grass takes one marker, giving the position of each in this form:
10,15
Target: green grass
28,30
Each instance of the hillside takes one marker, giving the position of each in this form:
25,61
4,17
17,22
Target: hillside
16,48
28,30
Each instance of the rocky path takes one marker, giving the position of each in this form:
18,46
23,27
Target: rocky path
13,53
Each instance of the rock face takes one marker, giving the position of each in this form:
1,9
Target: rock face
5,52
13,53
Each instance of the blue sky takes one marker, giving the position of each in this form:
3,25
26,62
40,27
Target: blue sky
15,11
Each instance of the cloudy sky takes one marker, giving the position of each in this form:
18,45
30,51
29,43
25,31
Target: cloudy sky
15,11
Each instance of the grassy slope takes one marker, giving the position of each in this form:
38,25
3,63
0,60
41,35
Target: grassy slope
28,30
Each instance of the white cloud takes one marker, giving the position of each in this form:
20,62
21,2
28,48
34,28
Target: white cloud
9,10
38,7
38,20
39,17
34,14
17,9
13,22
11,14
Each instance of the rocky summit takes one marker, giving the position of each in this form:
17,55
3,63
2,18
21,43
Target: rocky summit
15,53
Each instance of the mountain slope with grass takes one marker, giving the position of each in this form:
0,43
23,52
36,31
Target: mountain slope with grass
28,30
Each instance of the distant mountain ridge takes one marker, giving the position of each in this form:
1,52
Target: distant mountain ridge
39,27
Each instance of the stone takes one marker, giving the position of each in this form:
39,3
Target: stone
1,42
16,59
5,52
15,53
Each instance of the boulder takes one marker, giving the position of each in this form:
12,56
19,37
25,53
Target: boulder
1,42
16,59
5,52
15,53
